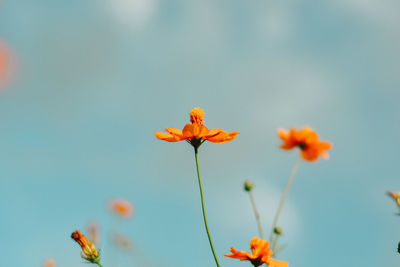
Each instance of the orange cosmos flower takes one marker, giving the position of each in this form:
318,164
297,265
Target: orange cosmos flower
121,207
49,263
196,132
307,140
260,254
88,248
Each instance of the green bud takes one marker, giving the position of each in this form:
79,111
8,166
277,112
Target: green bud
248,186
278,230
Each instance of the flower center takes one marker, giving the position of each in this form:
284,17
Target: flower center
302,146
196,116
256,262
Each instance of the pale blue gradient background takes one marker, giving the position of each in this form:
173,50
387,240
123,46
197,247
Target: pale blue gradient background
97,78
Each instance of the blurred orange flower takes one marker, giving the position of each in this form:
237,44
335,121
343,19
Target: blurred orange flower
122,241
121,207
307,140
7,64
49,263
260,254
196,132
87,247
395,196
94,235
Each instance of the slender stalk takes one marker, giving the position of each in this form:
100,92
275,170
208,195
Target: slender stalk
204,209
257,214
277,250
284,196
275,244
98,263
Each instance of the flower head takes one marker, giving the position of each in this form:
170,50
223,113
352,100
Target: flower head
260,254
196,132
49,263
122,208
278,230
88,248
248,186
307,140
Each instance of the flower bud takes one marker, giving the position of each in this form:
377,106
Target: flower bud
88,248
248,186
278,230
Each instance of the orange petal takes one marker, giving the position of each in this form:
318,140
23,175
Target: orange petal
310,154
307,135
203,132
223,137
288,145
212,133
283,134
195,131
276,263
241,255
167,137
325,145
188,131
174,131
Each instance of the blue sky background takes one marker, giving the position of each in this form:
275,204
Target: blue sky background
95,79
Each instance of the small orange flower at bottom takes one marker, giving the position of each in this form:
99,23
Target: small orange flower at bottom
88,248
49,263
260,254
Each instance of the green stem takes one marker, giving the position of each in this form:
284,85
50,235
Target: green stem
204,210
98,263
284,196
275,244
257,214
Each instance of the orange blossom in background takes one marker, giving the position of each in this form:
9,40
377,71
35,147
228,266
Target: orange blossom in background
307,141
121,207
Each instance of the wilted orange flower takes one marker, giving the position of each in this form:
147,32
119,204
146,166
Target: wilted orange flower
49,263
121,207
395,196
307,140
260,254
196,132
88,248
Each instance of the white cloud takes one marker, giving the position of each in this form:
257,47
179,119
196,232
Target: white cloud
134,13
277,22
385,11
